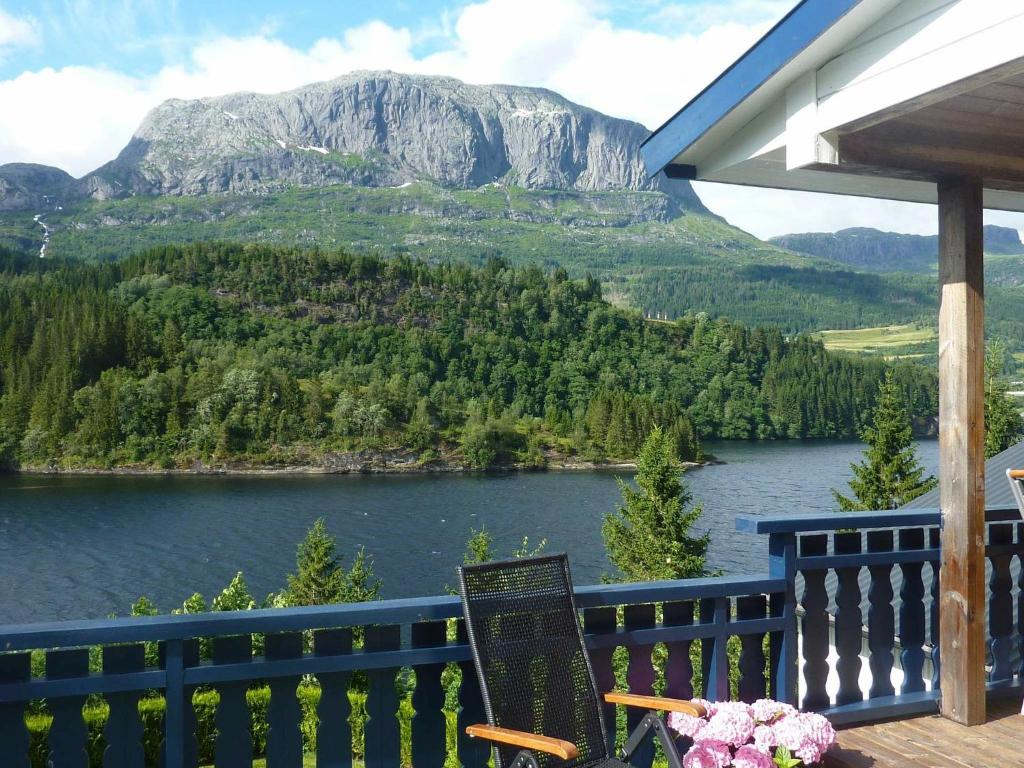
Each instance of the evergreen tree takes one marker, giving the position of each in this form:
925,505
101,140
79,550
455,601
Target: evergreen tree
360,583
890,474
319,579
1003,423
649,537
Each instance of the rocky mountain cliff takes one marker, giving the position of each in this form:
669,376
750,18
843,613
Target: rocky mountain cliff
27,186
375,129
872,249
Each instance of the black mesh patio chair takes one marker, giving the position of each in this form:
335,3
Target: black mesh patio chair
542,703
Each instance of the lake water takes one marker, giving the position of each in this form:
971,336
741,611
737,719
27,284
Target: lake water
88,546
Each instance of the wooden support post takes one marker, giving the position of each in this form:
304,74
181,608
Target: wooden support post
961,451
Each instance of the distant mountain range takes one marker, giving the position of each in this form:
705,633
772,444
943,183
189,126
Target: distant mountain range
372,129
878,251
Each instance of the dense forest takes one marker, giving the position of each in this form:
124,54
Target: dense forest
225,353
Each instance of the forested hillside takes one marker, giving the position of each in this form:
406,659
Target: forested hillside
872,249
246,353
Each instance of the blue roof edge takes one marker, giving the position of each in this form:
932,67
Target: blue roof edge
797,29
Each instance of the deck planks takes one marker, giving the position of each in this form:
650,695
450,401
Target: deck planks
931,741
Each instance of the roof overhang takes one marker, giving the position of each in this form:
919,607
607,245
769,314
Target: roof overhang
876,98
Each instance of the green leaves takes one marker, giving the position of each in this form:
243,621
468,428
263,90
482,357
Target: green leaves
783,759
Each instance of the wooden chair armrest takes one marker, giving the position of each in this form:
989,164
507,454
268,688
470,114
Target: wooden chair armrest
655,702
1015,474
558,747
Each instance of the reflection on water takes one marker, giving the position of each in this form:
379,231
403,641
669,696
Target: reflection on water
77,547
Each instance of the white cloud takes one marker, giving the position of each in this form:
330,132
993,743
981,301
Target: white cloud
80,117
16,32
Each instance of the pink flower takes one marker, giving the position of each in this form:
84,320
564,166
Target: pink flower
686,725
707,754
767,710
732,723
750,757
806,735
764,738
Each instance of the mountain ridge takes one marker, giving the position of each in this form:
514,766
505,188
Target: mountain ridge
375,129
880,251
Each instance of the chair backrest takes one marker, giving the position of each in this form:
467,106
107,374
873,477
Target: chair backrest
1016,478
527,644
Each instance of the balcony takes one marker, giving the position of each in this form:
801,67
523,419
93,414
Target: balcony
378,683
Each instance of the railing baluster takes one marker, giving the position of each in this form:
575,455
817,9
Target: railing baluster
639,675
912,614
782,645
751,667
933,623
1020,597
714,650
68,732
428,723
849,624
603,621
181,744
123,732
334,733
382,730
284,715
14,738
472,752
814,626
881,619
679,665
1000,604
234,739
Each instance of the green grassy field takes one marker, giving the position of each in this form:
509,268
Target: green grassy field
895,341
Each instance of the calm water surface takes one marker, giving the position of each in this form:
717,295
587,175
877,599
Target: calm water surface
83,547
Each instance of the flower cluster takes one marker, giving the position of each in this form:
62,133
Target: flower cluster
765,734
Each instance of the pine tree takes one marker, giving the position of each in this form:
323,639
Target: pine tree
1003,423
360,584
649,537
890,474
319,579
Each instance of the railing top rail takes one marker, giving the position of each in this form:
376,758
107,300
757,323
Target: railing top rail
838,521
67,634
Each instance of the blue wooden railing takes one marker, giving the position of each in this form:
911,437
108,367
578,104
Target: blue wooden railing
879,571
381,640
847,600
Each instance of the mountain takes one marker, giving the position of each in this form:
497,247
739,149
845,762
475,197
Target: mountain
872,249
27,186
429,167
375,129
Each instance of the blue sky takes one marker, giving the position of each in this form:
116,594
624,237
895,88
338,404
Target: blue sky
141,36
78,76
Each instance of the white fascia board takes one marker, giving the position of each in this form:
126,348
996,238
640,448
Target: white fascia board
769,171
937,49
771,96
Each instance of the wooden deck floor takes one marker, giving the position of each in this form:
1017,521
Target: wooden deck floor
929,741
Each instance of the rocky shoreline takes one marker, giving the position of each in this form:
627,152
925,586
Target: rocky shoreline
358,462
